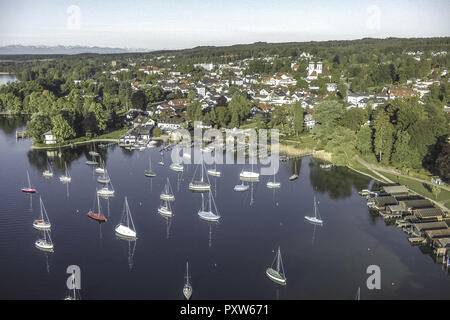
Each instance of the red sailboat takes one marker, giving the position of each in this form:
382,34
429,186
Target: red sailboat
28,189
97,216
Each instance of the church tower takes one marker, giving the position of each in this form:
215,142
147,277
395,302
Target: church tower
311,67
319,67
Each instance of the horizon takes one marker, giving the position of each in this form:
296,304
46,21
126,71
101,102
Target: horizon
176,26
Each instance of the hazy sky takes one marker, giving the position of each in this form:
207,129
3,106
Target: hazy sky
170,24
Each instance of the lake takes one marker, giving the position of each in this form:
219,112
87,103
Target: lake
227,260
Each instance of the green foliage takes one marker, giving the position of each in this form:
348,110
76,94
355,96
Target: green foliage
37,126
342,146
61,128
383,138
364,140
327,114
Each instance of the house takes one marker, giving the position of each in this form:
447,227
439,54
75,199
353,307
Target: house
395,190
401,92
384,201
314,70
310,123
429,214
170,124
129,138
410,205
205,124
49,138
331,87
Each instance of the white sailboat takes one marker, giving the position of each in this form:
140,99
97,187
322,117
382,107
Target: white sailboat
200,185
249,175
101,169
66,177
48,173
46,243
167,194
149,173
316,219
126,226
276,271
176,167
28,189
187,289
43,223
273,184
94,152
214,172
104,178
208,215
165,210
295,175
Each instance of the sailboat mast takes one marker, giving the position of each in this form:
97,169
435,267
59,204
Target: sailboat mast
278,260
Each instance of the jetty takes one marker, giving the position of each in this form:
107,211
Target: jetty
20,134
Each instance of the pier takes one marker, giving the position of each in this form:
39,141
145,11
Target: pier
20,134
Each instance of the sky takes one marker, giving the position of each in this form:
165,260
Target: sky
178,24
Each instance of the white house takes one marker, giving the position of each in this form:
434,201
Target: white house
49,138
310,123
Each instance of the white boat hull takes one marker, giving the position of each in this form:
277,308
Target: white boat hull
187,292
165,212
273,185
208,216
42,226
65,179
44,245
105,193
241,188
199,187
313,220
124,231
275,279
214,173
167,197
100,170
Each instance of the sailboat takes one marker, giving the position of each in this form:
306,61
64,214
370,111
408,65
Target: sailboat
167,194
214,172
97,216
295,175
176,167
208,215
358,294
161,163
316,219
241,187
104,178
126,226
65,178
45,244
101,169
187,289
273,184
165,210
250,175
277,275
48,173
28,189
43,223
149,173
94,152
201,186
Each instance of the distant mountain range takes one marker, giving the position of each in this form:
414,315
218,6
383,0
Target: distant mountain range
20,49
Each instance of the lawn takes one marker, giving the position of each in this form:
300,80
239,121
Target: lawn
419,187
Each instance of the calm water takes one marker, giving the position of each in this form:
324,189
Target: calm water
5,78
226,260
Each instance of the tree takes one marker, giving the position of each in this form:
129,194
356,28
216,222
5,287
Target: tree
443,162
299,125
342,146
38,125
61,128
139,100
403,156
383,138
354,118
364,140
157,132
194,111
327,114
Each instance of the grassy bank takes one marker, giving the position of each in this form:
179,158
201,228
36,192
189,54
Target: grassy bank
421,188
112,136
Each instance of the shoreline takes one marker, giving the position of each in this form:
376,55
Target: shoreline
71,145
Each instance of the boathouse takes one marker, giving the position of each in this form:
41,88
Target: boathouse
382,202
409,205
429,214
396,190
